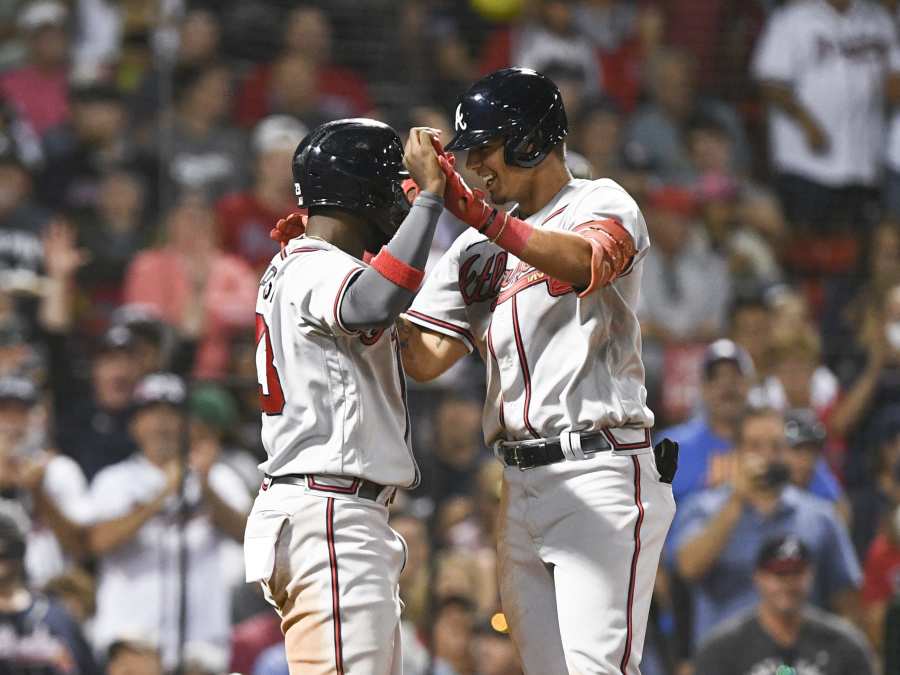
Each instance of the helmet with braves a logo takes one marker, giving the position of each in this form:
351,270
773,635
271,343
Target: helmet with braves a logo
355,165
517,104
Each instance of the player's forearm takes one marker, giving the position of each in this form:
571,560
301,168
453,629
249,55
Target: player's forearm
110,535
69,533
387,288
560,255
426,355
700,553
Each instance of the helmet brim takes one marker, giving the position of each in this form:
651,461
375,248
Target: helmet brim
471,139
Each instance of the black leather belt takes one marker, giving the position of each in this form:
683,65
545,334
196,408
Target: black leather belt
529,454
362,488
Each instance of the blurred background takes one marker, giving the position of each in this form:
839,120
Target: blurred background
145,153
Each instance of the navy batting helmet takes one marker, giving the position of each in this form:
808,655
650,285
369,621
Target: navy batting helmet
352,164
517,104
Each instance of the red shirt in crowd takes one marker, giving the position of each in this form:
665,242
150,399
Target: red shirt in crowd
41,97
244,225
882,571
253,101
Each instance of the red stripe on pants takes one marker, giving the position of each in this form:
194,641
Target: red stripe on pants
634,561
335,588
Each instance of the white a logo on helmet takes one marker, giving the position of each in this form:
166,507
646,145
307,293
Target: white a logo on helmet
460,123
299,194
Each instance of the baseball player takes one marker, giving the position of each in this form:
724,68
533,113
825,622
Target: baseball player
548,299
332,390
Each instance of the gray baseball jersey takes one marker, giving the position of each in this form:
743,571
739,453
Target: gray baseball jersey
333,400
556,360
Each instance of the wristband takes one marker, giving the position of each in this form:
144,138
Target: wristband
397,272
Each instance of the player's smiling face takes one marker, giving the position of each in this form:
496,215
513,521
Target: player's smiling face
503,182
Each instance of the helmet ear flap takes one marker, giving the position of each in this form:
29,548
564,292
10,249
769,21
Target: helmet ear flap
526,150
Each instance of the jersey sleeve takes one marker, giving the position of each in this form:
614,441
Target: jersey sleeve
440,305
315,283
606,200
775,56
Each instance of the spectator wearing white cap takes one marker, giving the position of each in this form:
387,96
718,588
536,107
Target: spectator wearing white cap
136,531
39,89
245,218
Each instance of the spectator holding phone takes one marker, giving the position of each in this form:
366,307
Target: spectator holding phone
718,532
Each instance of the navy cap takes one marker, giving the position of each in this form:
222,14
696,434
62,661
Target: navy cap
730,351
157,388
786,554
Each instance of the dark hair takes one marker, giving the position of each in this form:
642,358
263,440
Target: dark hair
186,77
754,300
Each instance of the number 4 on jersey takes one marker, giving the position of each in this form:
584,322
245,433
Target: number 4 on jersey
271,395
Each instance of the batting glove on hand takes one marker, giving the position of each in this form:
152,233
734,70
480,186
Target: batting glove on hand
462,201
289,227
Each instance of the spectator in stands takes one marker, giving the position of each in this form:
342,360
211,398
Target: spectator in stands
750,326
707,439
825,68
201,152
882,569
307,40
198,43
551,38
51,486
454,623
852,303
874,387
658,130
21,221
686,285
597,133
135,534
718,532
458,448
133,657
495,652
38,89
81,151
245,218
112,233
195,286
872,502
38,635
798,378
783,632
91,416
806,439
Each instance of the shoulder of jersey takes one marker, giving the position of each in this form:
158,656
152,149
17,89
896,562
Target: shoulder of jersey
613,196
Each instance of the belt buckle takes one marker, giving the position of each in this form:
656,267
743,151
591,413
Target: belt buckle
535,446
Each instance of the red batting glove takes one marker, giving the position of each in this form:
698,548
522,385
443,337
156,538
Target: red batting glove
289,227
465,203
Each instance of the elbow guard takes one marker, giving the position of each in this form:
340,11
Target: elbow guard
612,251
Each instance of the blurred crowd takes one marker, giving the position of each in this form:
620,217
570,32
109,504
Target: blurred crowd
145,153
